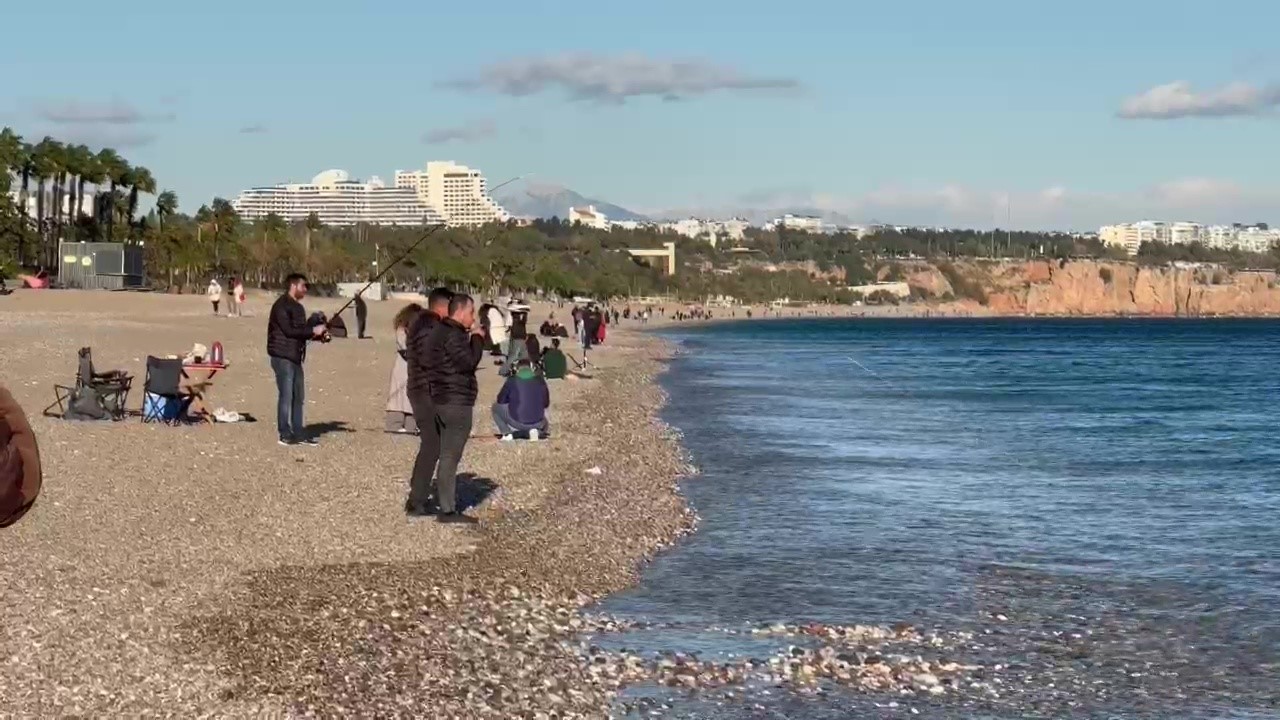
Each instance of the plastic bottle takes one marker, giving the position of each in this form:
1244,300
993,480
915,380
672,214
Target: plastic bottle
215,354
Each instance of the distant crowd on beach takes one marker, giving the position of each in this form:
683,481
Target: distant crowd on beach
433,387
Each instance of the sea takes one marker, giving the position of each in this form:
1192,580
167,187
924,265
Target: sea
1017,481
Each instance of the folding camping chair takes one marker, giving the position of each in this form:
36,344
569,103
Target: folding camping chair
163,398
111,387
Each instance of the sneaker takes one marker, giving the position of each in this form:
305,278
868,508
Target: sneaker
534,435
309,442
508,438
286,442
426,510
456,518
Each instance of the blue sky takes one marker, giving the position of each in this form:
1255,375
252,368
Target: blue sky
905,112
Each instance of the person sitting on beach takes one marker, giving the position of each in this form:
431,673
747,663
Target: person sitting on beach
554,363
533,349
522,404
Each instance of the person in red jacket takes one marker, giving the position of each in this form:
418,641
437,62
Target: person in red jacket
20,477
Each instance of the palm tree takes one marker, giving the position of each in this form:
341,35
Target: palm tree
77,160
91,171
166,205
313,225
114,169
139,180
10,157
45,162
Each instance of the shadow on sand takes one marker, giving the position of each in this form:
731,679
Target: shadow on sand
317,430
473,490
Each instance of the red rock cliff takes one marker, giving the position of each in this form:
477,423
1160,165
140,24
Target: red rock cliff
1115,288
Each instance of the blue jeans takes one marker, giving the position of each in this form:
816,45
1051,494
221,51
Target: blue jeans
290,392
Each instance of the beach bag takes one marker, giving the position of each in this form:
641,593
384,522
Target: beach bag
87,404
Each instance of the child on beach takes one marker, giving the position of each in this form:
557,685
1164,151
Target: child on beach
215,294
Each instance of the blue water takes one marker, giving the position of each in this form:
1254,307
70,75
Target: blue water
1117,476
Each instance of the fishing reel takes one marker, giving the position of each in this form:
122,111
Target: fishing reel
317,319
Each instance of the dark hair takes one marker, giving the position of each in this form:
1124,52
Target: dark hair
459,301
439,295
406,315
555,342
294,278
524,362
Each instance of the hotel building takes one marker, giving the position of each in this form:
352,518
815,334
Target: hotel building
458,193
1131,236
337,200
589,216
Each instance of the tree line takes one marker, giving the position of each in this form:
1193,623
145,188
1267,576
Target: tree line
85,195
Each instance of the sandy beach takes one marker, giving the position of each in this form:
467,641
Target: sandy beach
204,570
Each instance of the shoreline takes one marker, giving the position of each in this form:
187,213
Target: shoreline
514,606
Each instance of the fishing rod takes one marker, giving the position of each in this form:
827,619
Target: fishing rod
382,273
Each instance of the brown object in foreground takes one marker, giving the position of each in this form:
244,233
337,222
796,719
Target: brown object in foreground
19,461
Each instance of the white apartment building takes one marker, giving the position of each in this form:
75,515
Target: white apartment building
807,223
337,200
1185,233
32,208
458,193
714,231
1130,236
1256,239
589,216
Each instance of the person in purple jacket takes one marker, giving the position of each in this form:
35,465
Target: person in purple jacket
522,404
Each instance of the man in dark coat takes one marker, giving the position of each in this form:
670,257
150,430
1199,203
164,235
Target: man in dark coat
421,502
287,334
454,351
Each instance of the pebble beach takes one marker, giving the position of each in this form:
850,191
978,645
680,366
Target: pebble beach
205,571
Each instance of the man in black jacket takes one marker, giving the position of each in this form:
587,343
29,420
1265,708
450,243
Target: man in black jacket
454,350
418,389
287,336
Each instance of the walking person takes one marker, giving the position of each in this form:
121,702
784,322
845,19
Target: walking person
362,316
421,500
454,350
214,293
287,336
237,289
231,297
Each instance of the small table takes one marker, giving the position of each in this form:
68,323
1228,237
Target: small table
198,379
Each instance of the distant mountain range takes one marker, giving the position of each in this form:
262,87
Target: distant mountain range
546,200
758,216
531,198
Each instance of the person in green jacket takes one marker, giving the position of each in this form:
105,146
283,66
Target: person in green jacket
554,364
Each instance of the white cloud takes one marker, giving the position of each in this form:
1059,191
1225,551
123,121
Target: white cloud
615,78
99,136
480,130
110,112
1056,207
1179,100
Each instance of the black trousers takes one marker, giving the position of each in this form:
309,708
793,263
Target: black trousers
424,466
455,429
